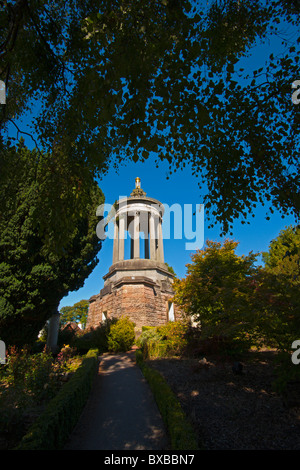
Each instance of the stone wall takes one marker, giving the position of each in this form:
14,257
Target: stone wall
144,302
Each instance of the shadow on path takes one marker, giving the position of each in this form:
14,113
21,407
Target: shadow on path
121,413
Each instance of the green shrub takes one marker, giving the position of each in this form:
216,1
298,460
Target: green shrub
30,372
94,337
174,334
165,340
149,336
179,428
121,336
147,328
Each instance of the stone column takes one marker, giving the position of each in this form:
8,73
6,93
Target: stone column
160,248
116,243
152,237
53,329
130,229
121,237
136,235
146,242
131,248
144,229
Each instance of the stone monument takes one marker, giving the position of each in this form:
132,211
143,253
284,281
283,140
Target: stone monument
138,283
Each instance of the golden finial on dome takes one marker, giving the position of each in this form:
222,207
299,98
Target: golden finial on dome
138,192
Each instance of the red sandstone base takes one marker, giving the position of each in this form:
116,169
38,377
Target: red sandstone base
143,303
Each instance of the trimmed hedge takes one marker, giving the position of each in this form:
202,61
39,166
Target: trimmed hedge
52,429
180,430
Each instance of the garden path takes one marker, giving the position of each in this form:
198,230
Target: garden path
121,413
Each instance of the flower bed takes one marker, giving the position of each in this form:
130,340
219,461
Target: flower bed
51,430
28,382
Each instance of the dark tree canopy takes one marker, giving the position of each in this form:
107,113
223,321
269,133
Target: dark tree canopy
185,81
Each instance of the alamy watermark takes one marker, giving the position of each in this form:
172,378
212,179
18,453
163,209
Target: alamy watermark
295,94
296,354
179,222
2,92
2,352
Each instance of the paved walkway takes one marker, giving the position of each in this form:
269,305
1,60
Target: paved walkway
121,413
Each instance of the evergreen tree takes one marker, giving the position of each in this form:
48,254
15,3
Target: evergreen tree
38,266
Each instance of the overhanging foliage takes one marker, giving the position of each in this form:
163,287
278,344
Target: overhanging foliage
124,79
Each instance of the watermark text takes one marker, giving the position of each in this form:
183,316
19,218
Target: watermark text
296,94
179,222
2,92
2,352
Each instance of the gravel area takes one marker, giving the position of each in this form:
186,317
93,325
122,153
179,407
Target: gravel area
231,411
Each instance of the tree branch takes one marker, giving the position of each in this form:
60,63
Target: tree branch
25,133
16,14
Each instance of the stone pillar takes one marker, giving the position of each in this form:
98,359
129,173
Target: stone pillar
121,237
131,247
136,235
160,249
116,243
152,237
53,330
